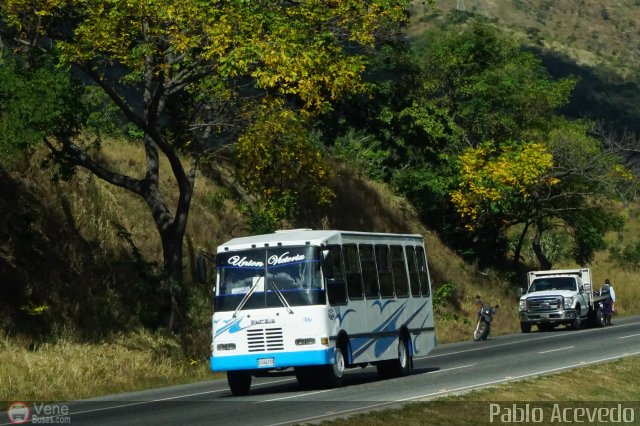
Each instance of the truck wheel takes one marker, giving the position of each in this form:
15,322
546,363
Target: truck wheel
577,322
525,327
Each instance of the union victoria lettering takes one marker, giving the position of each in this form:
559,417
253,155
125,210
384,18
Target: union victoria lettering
244,262
273,260
285,258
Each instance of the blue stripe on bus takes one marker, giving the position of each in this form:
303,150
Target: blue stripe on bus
281,360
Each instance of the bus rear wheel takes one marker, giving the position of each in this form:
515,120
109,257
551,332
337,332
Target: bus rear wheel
239,382
404,363
398,367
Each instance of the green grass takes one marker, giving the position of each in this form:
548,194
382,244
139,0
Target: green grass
593,386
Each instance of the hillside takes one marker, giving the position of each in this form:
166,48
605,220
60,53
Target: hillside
97,250
594,39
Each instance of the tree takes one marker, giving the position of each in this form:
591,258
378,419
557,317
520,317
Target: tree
34,102
565,180
281,166
471,88
478,84
188,73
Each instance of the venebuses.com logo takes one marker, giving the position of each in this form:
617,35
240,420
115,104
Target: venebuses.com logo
38,413
18,413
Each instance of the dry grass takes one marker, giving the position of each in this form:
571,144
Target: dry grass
67,370
106,215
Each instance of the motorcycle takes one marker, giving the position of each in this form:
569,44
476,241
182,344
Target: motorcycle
485,317
605,308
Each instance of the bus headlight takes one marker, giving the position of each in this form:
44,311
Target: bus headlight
226,347
306,341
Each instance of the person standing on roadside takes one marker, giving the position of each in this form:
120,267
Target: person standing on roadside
607,290
612,293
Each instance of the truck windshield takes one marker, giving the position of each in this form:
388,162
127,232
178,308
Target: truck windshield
553,283
292,271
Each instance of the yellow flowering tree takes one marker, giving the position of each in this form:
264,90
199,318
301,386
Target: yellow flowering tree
499,183
565,181
281,165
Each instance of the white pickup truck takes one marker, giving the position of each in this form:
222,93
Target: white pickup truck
562,296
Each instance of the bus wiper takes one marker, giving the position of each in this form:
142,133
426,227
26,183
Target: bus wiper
246,297
281,297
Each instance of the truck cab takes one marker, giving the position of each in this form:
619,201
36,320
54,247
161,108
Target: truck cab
555,297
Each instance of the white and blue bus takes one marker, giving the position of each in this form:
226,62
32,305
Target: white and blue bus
320,302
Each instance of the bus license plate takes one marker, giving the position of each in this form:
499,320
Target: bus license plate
265,362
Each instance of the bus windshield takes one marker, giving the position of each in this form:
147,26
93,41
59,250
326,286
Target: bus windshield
293,272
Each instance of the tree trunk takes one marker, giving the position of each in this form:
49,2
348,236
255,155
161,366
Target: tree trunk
538,250
172,271
518,249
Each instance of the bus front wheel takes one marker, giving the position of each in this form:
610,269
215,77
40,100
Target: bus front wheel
239,382
334,372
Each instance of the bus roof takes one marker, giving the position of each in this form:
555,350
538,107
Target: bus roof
313,237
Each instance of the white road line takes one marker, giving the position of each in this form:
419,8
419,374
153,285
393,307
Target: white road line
452,368
556,350
329,390
132,404
295,396
552,336
631,335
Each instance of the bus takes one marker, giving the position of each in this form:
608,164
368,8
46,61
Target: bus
320,302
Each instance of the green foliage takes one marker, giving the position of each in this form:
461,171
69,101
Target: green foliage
588,240
445,295
557,246
488,85
36,100
627,256
363,151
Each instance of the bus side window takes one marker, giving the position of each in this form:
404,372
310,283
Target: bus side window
384,270
369,276
353,273
399,271
336,288
422,271
414,281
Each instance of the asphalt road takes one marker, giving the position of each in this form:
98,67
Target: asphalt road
450,368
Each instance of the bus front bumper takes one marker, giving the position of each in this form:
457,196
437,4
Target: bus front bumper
268,360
